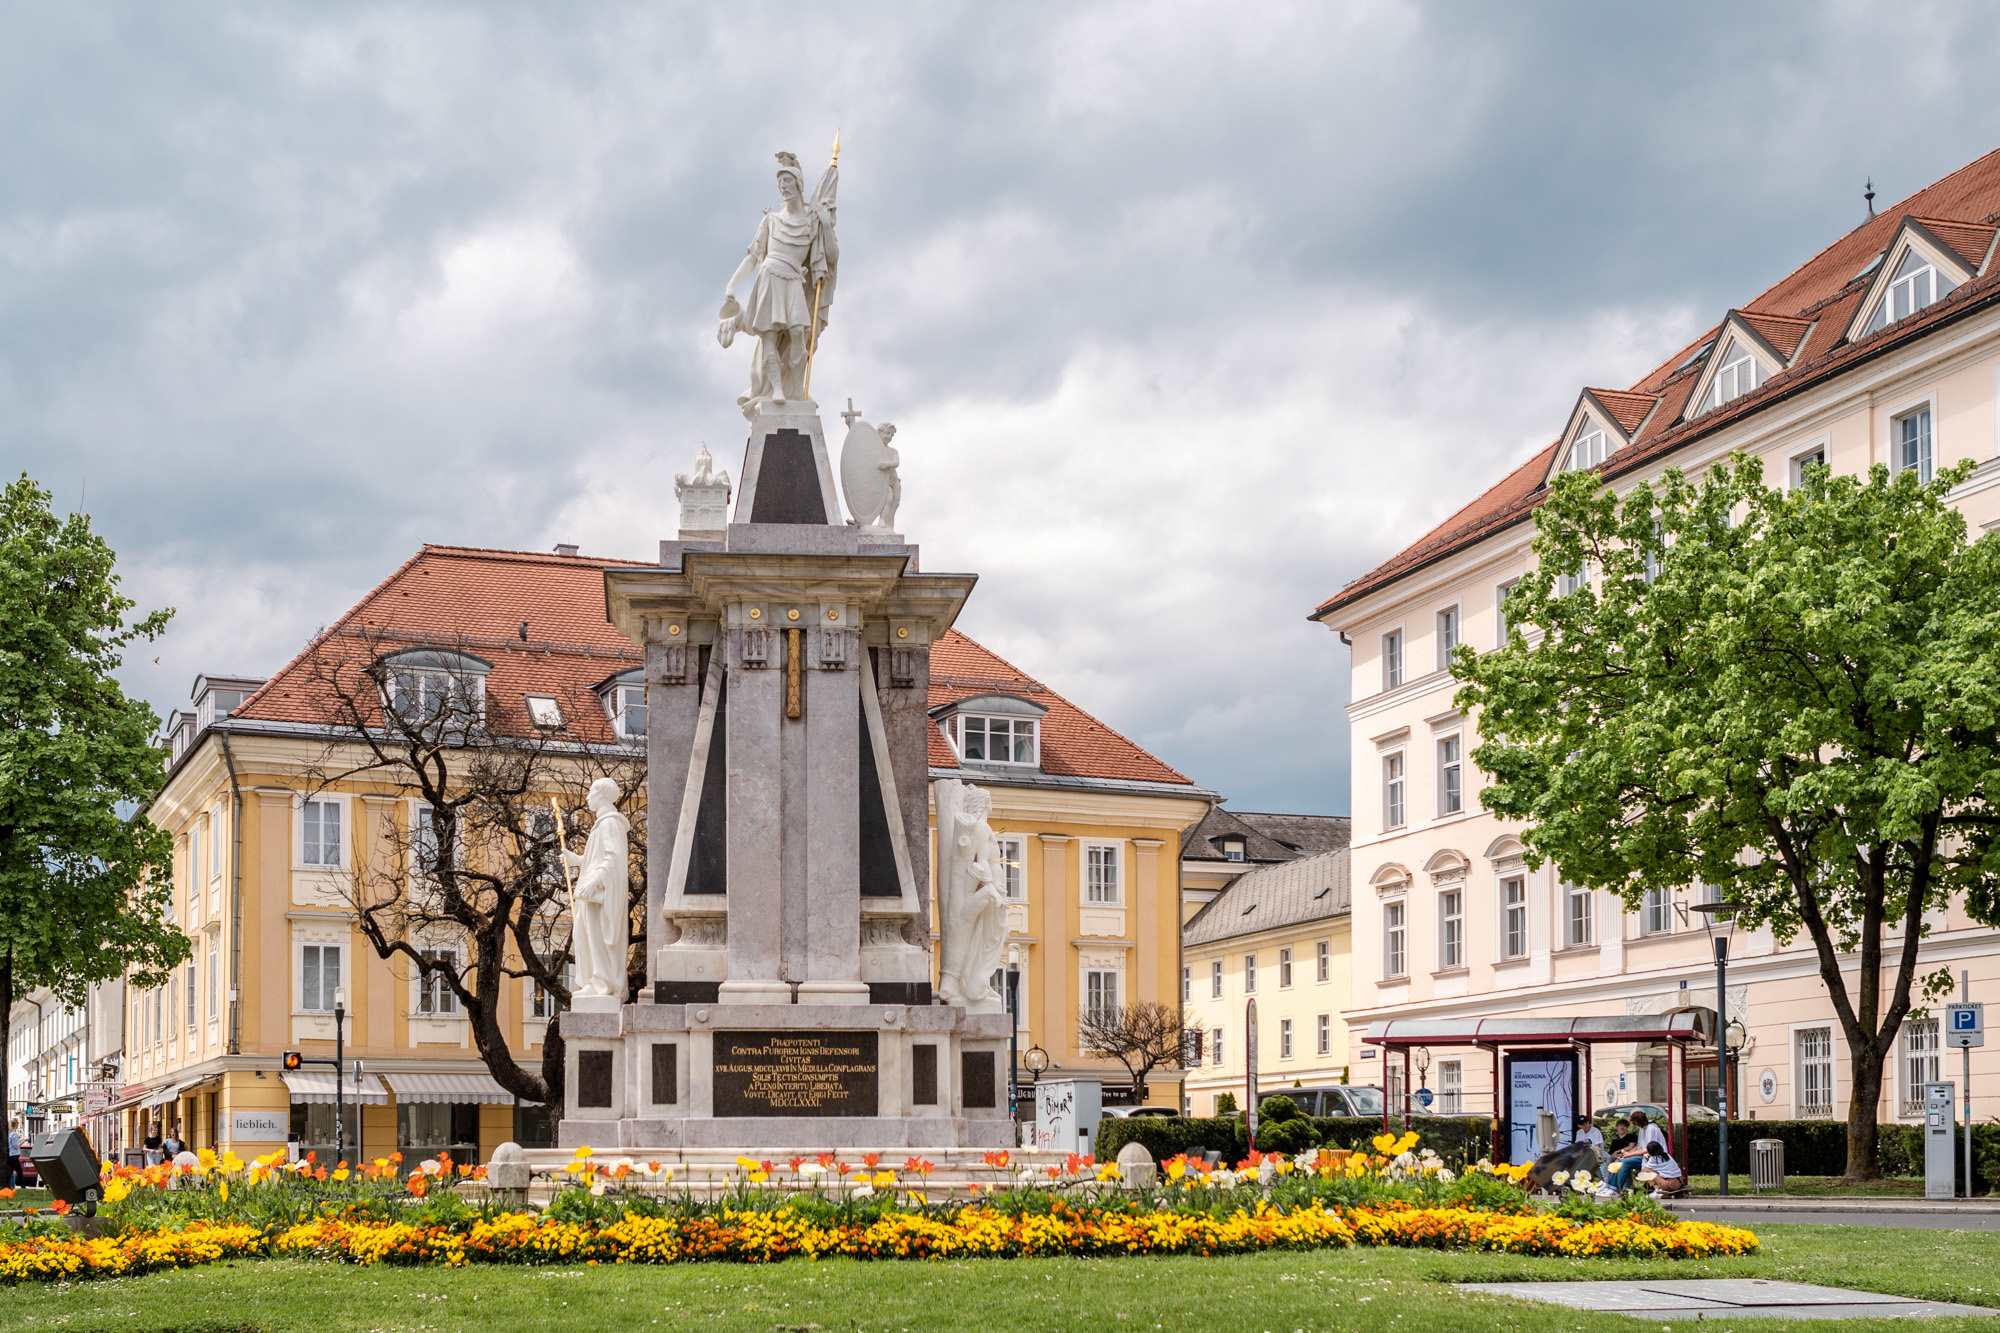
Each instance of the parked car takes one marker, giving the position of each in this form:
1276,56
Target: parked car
1338,1099
1127,1112
1605,1115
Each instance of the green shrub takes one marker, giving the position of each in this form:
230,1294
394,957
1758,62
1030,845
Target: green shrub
1225,1103
1287,1138
1278,1109
1169,1136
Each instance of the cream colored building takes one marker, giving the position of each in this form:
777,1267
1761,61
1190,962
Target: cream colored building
1279,934
1882,349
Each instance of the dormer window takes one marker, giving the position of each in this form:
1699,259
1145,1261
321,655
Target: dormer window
984,739
1737,373
430,686
1916,283
1588,450
625,704
1232,849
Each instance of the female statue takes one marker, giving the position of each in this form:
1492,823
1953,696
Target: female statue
972,901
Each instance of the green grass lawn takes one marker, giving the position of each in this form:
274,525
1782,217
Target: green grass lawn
1894,1187
1403,1289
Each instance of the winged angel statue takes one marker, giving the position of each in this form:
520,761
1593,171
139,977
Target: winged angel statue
796,259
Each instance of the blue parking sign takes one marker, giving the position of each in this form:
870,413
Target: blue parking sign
1965,1024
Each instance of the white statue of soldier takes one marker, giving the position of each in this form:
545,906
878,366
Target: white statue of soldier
600,905
796,259
972,901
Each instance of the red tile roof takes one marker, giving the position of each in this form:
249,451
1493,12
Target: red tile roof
1074,744
1813,304
1627,409
476,600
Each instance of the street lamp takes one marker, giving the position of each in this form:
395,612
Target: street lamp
339,1075
1719,920
1014,1038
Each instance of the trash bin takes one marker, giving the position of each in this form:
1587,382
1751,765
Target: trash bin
1767,1164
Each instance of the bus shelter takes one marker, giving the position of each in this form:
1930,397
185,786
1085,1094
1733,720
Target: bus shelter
1544,1064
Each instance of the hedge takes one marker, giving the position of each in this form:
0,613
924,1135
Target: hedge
1456,1139
1812,1147
1819,1148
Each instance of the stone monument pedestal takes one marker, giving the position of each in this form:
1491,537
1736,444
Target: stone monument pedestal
790,1004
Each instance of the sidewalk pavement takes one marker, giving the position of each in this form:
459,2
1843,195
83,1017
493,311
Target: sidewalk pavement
1768,1203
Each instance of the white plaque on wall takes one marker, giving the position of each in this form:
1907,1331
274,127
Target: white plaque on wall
260,1126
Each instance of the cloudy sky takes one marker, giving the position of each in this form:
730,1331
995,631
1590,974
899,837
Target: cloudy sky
1187,315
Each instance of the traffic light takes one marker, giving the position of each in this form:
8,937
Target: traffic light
293,1060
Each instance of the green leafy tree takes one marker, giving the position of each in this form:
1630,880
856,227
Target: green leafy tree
1791,696
84,882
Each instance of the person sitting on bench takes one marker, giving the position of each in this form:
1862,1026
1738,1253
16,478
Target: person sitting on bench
1663,1173
1627,1161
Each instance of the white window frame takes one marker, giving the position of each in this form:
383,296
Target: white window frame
1187,985
1801,1109
1323,961
214,974
1451,775
1215,1046
1568,896
1284,1039
429,989
1589,448
619,703
1797,462
1395,939
1451,928
434,682
1451,1087
1395,806
1250,973
1018,730
1899,296
1727,384
1285,969
303,1003
541,1002
1500,592
1014,866
1093,885
1914,1059
1323,1034
1926,463
1450,629
214,847
339,802
1095,980
421,811
1656,913
544,710
1215,979
192,1000
1392,658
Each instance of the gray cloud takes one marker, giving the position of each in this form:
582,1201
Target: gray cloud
1189,315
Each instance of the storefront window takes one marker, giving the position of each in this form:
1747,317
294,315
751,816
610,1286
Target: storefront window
425,1129
312,1129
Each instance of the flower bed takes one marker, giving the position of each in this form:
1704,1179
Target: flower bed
617,1212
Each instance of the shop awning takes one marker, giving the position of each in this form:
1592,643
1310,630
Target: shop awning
429,1087
315,1086
173,1092
1677,1025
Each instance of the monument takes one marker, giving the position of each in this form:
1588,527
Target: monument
789,1002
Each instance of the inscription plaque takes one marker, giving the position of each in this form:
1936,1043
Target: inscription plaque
796,1073
593,1078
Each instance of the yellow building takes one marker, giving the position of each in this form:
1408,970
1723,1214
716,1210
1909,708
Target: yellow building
267,853
1280,935
1090,826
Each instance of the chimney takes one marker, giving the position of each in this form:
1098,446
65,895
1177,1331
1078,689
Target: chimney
565,548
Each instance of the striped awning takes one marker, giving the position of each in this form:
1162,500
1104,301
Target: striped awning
431,1087
315,1086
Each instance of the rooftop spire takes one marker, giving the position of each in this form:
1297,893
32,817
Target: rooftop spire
1868,193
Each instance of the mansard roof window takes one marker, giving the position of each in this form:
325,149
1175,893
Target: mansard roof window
1590,448
1737,373
625,704
434,685
1916,283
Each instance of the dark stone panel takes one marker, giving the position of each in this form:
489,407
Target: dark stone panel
788,482
708,858
923,1074
899,992
701,671
687,992
593,1078
976,1077
878,854
666,1072
793,1073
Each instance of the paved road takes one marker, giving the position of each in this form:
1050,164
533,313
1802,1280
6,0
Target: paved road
1843,1213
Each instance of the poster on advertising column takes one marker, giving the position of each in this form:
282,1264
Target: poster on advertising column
1250,1066
1538,1082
